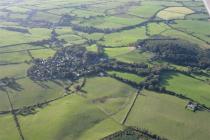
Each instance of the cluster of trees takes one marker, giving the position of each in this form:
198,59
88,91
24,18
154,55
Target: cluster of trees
138,69
55,41
177,51
135,132
29,110
152,74
90,29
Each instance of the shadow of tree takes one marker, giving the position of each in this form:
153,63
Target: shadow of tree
165,77
42,84
10,83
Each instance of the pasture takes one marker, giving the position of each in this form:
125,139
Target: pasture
89,114
193,88
128,76
33,29
158,112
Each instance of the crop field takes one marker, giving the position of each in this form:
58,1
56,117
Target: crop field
103,100
174,12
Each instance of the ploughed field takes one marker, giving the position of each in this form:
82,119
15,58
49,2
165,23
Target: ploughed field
49,91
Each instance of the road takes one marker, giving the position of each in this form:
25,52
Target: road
207,4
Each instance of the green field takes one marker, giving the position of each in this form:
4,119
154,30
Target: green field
29,93
88,114
124,38
42,53
128,76
8,128
188,86
76,119
33,30
174,13
158,113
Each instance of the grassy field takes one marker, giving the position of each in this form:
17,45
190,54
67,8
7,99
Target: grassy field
99,109
16,37
112,22
158,113
111,96
188,86
124,38
84,116
29,93
16,70
135,57
87,114
21,47
174,13
73,121
145,10
44,53
191,26
8,128
128,76
14,57
115,52
180,35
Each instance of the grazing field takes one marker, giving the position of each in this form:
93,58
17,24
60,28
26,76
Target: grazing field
73,98
188,86
14,57
124,38
190,26
8,128
15,70
34,34
158,113
45,53
27,92
128,76
111,22
88,114
108,94
73,118
145,11
135,56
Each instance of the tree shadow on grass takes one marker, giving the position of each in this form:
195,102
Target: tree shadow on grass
11,86
165,77
42,84
59,83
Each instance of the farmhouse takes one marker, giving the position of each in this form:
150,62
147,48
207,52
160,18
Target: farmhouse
192,106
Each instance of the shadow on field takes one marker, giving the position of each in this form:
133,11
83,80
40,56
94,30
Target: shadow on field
42,84
57,83
13,86
167,76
